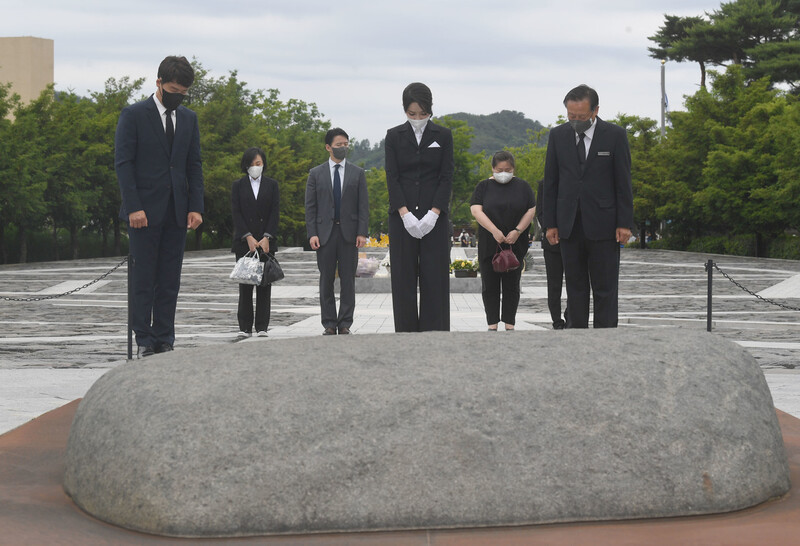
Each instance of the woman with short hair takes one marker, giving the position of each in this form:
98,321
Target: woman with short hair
255,204
504,206
419,177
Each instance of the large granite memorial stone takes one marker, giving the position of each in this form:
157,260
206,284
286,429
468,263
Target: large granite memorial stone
434,430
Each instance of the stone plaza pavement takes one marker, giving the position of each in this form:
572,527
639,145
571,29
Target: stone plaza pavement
51,351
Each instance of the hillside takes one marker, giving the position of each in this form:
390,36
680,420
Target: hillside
496,131
492,132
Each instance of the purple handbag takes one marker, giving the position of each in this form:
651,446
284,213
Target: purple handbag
504,260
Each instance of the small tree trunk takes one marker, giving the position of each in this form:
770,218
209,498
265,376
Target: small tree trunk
3,250
198,237
73,240
702,74
23,245
55,241
117,237
103,239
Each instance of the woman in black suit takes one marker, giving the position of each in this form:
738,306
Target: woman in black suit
419,178
254,200
504,206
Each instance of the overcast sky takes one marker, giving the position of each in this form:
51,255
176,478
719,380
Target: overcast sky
354,57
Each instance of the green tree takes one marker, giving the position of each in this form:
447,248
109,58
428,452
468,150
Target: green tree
104,210
726,168
225,111
378,201
761,35
647,172
675,43
27,170
466,172
69,190
8,184
299,133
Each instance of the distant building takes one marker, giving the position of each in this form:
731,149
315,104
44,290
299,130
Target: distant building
27,63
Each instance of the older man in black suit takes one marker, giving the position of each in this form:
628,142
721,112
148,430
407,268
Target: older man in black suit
588,206
337,219
157,159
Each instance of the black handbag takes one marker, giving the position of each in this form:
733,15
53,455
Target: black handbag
272,270
504,260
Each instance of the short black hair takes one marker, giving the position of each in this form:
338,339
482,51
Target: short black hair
419,93
501,156
583,92
333,133
176,69
249,156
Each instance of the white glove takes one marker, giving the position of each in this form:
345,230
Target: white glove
428,222
412,225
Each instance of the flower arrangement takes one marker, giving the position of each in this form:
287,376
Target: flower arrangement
383,241
464,265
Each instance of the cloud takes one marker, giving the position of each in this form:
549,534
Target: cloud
353,58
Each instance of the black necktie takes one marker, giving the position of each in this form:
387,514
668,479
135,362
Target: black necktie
337,193
170,130
581,149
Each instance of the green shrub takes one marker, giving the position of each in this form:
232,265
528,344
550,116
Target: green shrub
785,247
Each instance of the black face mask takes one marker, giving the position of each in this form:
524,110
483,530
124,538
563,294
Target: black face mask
171,101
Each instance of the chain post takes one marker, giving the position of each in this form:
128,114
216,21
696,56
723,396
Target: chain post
69,292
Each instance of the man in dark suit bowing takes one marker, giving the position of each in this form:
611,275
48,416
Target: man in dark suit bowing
588,206
337,218
157,159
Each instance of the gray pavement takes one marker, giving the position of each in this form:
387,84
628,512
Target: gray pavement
51,351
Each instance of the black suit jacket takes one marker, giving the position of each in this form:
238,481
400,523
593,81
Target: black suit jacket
354,214
146,170
256,217
602,188
419,177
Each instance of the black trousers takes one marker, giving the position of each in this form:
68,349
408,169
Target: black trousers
335,254
591,265
157,252
426,260
492,284
245,311
554,269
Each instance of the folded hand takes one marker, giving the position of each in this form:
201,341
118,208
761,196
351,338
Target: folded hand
428,222
411,224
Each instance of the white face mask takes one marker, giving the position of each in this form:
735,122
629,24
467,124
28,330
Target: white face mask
418,124
503,178
255,171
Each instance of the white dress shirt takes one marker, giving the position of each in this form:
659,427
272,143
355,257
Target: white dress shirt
332,164
587,136
255,183
162,110
418,132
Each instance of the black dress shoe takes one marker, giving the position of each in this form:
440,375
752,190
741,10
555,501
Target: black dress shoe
145,350
329,332
344,330
163,347
558,325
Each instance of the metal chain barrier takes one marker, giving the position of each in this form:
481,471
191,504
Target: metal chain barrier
88,284
762,298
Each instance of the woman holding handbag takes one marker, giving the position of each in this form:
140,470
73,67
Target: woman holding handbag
503,206
255,202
